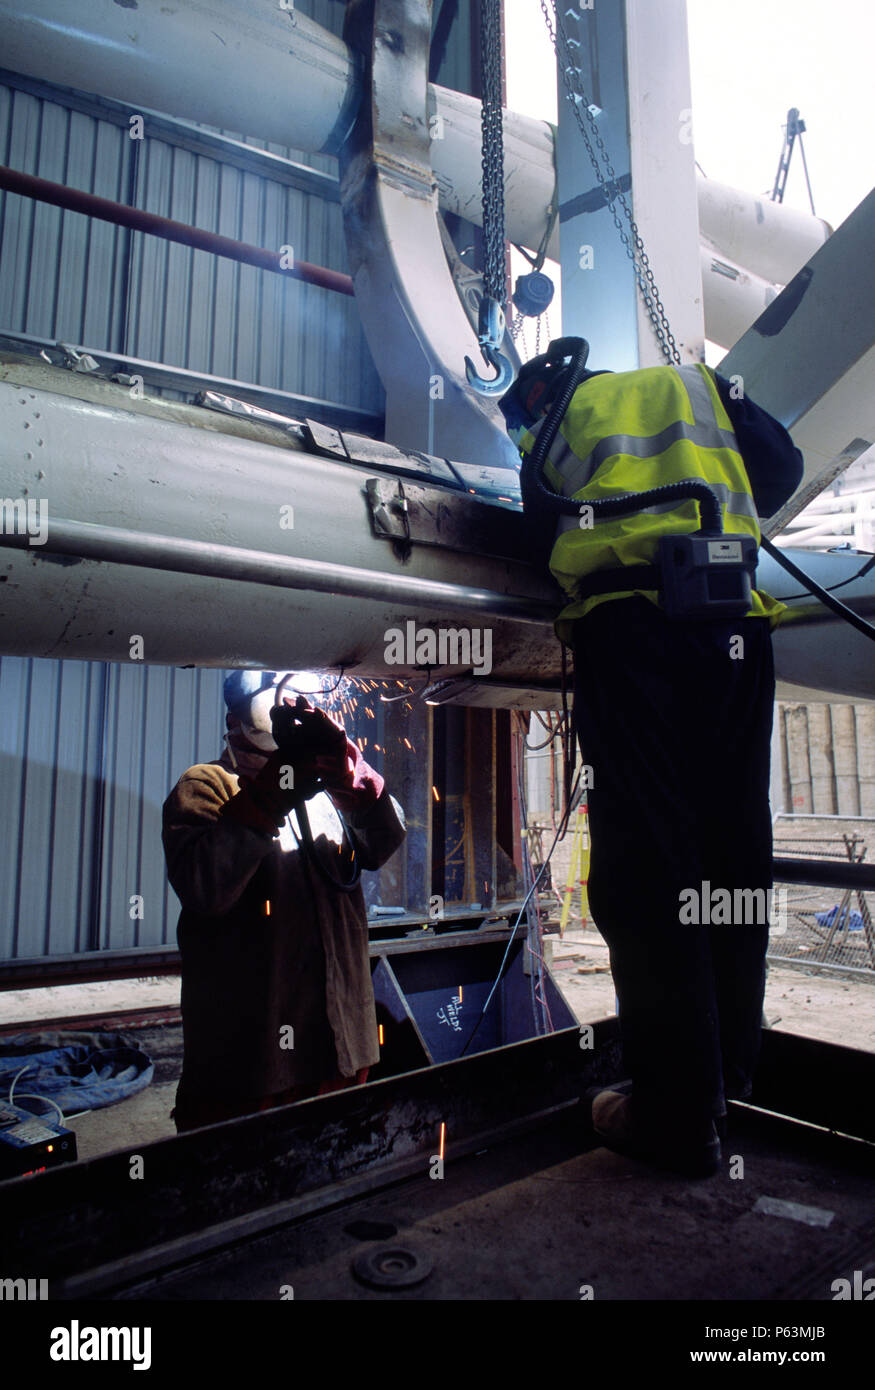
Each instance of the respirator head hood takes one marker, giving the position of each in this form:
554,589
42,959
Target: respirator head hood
540,382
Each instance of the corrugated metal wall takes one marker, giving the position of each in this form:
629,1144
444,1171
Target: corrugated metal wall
89,753
65,276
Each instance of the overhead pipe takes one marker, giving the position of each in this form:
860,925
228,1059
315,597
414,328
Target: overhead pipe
123,215
115,545
274,73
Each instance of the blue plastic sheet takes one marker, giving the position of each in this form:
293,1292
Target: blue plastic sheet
853,920
78,1071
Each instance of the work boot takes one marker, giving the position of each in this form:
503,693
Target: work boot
680,1145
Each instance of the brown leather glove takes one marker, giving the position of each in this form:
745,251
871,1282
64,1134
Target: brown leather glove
264,801
321,752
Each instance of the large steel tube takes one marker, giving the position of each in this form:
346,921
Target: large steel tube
733,298
248,66
276,74
180,512
769,239
117,545
129,471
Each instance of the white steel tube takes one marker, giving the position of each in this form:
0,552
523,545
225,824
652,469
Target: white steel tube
273,73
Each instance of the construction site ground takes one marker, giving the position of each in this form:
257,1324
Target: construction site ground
814,1005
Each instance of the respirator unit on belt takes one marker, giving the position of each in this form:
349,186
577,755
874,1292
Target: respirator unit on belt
706,574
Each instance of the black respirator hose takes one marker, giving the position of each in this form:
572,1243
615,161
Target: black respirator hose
813,587
531,473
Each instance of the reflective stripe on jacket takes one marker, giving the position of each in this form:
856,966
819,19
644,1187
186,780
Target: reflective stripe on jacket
629,432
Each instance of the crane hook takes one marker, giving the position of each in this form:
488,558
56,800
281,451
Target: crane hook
502,365
490,336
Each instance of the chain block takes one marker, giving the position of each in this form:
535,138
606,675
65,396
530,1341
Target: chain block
533,293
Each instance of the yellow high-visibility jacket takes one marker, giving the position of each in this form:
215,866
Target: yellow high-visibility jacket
629,432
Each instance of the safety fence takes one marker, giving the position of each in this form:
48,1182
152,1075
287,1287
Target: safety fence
826,928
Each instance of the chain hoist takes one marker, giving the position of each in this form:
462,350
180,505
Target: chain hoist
491,321
609,182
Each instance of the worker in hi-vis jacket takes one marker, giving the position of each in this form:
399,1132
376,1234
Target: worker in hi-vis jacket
673,716
277,1001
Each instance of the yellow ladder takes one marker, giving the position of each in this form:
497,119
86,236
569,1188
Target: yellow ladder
578,870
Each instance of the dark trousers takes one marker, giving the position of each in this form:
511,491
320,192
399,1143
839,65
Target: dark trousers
678,734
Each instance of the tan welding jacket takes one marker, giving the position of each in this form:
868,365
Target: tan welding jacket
249,971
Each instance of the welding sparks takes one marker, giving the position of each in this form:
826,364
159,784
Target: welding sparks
381,1035
267,907
443,1136
409,744
434,792
460,994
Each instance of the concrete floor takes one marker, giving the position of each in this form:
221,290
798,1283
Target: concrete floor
538,1218
545,1214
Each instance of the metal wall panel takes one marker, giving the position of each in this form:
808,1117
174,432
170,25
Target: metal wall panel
69,277
89,752
61,275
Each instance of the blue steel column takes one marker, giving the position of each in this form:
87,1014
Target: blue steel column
598,279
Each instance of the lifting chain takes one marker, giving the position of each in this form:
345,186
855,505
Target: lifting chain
493,151
607,178
491,325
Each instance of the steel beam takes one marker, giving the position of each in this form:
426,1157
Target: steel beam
417,329
633,63
810,358
85,1227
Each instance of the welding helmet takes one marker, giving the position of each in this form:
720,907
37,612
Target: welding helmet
242,687
250,696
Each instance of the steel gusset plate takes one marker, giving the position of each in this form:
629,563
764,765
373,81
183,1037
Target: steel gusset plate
417,329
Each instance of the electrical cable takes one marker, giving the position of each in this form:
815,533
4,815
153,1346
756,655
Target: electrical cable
544,723
27,1095
306,843
28,1067
563,825
814,588
829,588
558,732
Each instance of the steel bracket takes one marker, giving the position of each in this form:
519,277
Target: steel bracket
388,508
417,328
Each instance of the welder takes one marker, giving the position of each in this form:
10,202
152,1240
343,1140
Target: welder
264,848
643,491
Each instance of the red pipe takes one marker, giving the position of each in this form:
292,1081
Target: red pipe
75,200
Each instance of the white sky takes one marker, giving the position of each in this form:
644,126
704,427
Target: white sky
750,61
